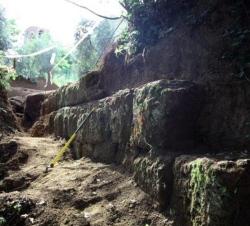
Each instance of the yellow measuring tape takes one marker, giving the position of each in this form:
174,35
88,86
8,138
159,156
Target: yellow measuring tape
62,151
66,146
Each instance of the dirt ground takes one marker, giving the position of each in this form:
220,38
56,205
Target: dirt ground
75,192
23,87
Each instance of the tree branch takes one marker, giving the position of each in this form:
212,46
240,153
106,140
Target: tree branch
86,8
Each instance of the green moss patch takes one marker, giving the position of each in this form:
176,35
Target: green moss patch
209,199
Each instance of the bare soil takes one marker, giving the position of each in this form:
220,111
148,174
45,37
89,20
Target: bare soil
75,192
23,87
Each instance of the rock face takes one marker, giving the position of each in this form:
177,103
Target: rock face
154,175
165,112
106,133
44,126
32,108
224,121
137,127
17,104
87,89
158,111
149,117
212,190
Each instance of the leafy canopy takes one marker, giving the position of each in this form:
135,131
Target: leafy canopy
8,34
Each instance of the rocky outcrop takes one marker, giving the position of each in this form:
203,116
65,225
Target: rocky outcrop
201,41
211,190
17,104
87,89
224,120
155,176
44,126
106,133
32,108
138,127
165,112
158,111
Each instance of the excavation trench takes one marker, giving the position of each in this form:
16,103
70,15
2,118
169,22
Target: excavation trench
139,154
75,192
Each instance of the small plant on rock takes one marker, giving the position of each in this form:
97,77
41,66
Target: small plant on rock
2,221
207,194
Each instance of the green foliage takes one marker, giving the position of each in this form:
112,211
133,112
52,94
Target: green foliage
146,23
6,74
69,70
8,31
39,66
12,32
128,43
8,34
102,35
151,20
207,195
2,221
86,53
17,207
86,56
4,35
32,67
65,72
89,51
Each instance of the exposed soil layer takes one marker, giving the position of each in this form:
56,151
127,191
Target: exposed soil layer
25,97
73,193
22,86
7,118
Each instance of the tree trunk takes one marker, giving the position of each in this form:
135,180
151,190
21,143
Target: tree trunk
48,80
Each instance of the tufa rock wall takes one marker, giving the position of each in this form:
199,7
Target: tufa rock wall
153,117
148,129
142,128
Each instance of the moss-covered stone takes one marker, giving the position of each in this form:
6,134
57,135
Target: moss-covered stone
88,88
207,194
106,133
206,191
165,113
154,175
